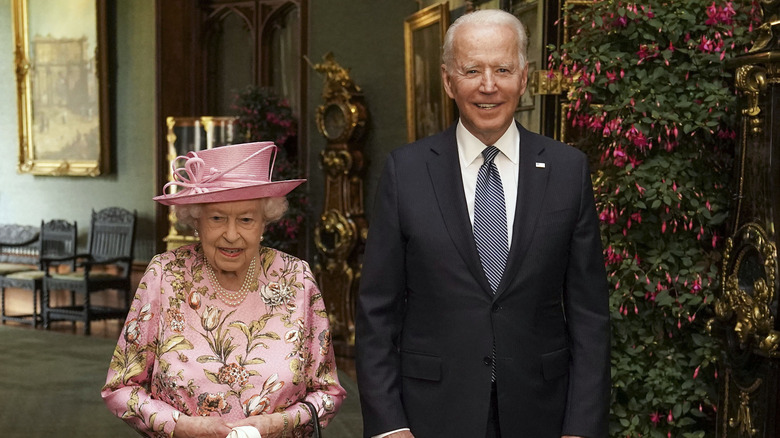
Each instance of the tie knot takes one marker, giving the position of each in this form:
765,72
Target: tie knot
490,153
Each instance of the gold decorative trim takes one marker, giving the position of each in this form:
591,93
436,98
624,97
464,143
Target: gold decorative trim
547,82
336,162
744,421
749,270
752,80
30,160
425,96
342,230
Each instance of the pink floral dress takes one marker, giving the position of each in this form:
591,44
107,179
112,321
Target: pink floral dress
184,352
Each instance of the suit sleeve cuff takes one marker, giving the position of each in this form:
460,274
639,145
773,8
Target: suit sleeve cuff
383,435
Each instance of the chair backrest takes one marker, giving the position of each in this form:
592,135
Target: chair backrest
112,235
19,244
59,238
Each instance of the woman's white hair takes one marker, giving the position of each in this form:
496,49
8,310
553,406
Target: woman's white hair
272,209
485,17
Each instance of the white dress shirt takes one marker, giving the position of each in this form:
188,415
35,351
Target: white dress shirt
470,156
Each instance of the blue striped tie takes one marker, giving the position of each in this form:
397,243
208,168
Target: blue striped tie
490,232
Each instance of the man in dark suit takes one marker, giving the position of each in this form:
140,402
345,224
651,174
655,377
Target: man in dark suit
483,307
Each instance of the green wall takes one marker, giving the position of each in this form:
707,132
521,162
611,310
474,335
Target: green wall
28,199
366,37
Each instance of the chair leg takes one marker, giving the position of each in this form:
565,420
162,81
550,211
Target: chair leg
35,314
86,313
73,304
45,308
2,304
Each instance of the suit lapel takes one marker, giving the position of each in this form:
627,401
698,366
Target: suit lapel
444,170
531,188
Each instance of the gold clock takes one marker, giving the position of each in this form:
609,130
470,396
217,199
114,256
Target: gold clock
336,121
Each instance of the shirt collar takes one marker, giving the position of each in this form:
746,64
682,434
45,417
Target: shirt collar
470,147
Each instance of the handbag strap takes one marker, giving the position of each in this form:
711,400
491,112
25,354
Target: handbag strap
315,419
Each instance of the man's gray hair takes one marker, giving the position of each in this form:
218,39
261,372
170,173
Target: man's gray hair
490,17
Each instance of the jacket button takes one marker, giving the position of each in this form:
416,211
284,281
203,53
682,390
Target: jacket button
496,308
487,360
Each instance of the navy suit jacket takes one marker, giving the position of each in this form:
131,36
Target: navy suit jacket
427,319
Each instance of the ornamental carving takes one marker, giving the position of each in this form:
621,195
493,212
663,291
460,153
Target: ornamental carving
336,235
744,422
336,162
749,269
752,80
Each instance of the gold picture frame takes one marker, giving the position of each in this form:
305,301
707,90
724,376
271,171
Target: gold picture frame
428,108
62,87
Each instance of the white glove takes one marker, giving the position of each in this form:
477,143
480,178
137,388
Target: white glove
244,432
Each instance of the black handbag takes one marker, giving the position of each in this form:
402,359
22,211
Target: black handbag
315,419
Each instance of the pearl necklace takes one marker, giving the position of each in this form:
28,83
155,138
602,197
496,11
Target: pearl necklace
229,297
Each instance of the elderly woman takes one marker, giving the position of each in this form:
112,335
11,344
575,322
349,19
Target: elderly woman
226,336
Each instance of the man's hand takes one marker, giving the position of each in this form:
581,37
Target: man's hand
401,434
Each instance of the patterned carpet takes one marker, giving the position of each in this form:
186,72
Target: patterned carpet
50,387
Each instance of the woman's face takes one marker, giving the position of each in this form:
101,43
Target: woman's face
230,233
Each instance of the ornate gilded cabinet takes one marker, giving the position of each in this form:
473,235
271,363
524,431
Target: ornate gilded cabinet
747,307
341,233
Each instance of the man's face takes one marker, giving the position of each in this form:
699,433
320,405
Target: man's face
486,79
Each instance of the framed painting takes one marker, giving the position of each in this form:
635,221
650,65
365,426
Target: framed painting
62,86
428,108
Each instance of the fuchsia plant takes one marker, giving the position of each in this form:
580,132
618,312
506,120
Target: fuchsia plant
651,94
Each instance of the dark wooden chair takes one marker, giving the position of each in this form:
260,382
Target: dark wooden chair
58,238
105,266
18,248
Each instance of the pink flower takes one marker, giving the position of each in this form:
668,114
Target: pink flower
647,51
696,286
709,45
619,157
720,14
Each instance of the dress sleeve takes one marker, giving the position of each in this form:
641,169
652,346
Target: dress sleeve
127,392
322,383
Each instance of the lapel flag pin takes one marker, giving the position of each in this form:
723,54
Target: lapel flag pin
540,165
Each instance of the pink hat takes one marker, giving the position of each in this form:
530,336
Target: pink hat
227,173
